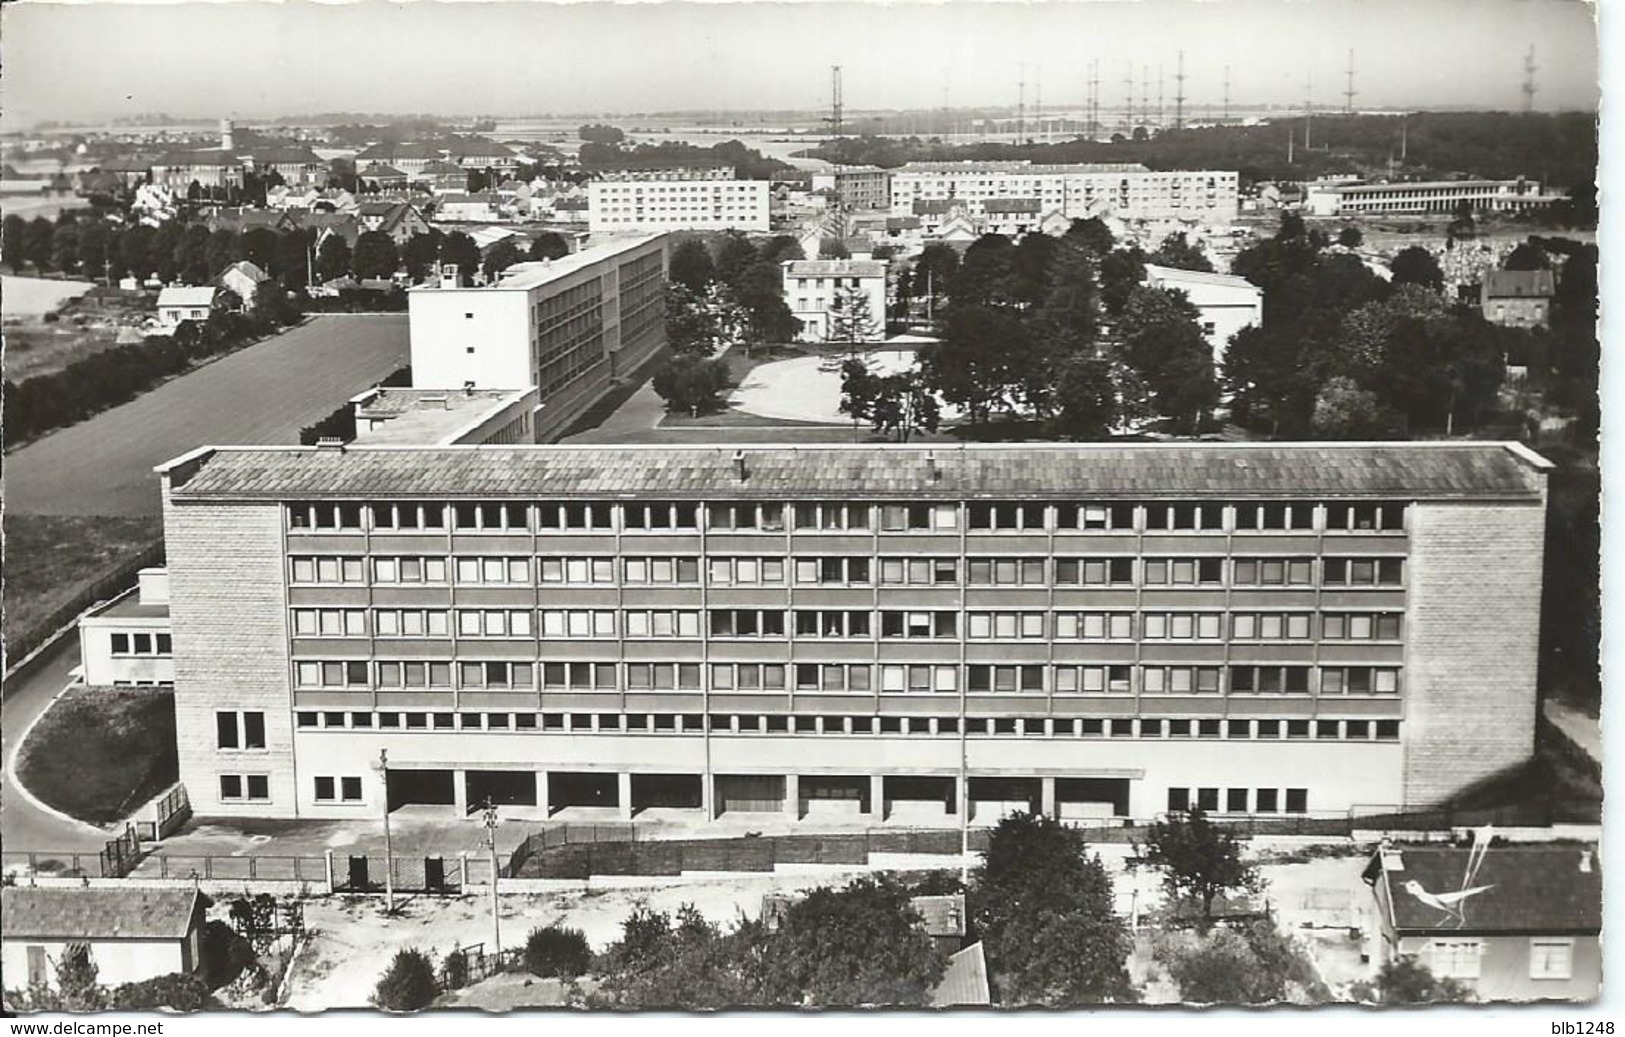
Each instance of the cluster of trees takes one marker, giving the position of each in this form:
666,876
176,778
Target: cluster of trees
1024,334
748,163
732,294
1342,353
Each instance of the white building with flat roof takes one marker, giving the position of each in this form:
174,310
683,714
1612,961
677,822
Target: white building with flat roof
568,326
691,201
1226,303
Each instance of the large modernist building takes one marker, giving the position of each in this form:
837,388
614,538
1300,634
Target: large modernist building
567,327
681,199
1127,191
895,632
1433,196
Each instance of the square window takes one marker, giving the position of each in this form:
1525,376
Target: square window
350,788
325,789
231,786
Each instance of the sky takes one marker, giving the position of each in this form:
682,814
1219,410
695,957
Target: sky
256,59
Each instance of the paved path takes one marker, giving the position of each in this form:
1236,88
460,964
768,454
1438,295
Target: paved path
262,394
1582,730
24,826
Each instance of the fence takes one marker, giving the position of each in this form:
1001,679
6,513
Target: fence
214,868
360,873
465,966
560,853
121,854
167,813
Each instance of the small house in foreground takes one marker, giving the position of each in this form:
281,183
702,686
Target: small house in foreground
133,934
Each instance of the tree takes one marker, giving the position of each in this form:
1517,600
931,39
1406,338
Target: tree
597,133
375,255
177,991
192,255
408,985
293,262
1086,399
1343,410
735,257
421,253
905,293
1404,980
1253,965
548,245
1527,256
1121,272
557,951
850,319
935,269
65,248
690,965
971,366
1092,234
458,249
691,265
984,274
14,241
1163,342
76,974
833,248
1044,909
333,258
690,325
760,293
41,238
779,248
1198,859
93,242
259,248
1350,237
859,945
224,248
1177,251
899,403
1416,265
500,257
1031,267
690,384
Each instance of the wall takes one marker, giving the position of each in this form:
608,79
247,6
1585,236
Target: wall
1504,968
443,333
229,612
117,961
1475,585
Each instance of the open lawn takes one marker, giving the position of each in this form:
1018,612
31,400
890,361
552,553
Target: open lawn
52,561
33,296
99,753
36,349
262,394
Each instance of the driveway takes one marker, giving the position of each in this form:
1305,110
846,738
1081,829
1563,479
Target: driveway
24,826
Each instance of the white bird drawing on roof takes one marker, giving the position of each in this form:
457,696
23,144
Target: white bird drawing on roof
1453,903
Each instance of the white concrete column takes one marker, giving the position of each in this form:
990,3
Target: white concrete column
877,797
1046,797
962,793
624,795
792,796
708,795
541,793
459,792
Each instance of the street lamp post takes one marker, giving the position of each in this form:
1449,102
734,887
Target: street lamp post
389,850
496,913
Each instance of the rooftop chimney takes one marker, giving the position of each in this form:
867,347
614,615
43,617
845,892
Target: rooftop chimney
1585,861
931,462
330,443
450,275
739,465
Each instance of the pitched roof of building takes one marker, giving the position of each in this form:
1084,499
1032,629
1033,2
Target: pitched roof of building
283,154
1531,889
941,915
248,270
185,295
379,170
964,981
209,157
1526,284
123,912
440,167
476,147
1010,205
1042,471
1172,273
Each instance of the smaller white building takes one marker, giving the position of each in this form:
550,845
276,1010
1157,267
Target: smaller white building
242,279
133,933
681,200
126,642
818,289
1226,303
183,303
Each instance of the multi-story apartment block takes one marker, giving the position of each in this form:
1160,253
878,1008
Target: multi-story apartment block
567,326
857,188
1126,190
678,199
824,297
897,631
1434,196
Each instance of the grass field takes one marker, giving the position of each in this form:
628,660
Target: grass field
51,560
33,296
99,753
262,394
36,349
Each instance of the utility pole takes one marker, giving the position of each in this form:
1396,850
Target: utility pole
1529,70
496,912
835,100
1226,94
1348,90
1145,97
1038,105
1094,99
1162,119
1021,103
1128,110
1179,94
1308,108
389,846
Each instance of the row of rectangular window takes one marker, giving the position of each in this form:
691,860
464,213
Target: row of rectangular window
141,644
1104,679
772,516
848,623
1238,801
1363,571
734,723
